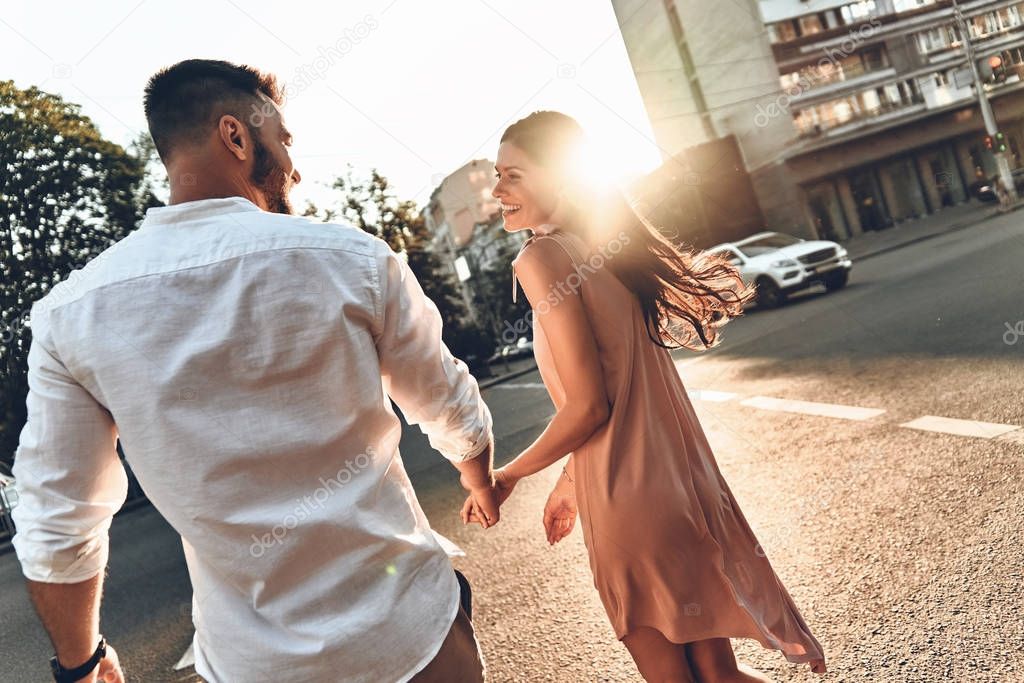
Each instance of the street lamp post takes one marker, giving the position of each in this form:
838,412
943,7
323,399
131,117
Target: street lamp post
1002,163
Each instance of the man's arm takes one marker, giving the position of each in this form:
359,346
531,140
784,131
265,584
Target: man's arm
434,389
71,614
70,482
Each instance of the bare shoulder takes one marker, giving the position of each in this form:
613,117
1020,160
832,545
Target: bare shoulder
543,258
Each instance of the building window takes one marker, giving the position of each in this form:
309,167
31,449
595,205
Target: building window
810,25
856,11
939,38
784,31
907,5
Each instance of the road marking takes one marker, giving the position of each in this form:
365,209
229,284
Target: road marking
930,423
709,395
1016,436
952,425
811,408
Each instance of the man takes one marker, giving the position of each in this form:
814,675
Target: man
246,359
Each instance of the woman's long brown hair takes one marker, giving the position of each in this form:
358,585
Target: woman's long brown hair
685,295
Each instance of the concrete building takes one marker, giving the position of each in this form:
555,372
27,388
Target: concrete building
851,116
462,200
490,244
467,229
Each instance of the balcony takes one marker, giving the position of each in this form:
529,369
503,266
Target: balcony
804,48
865,109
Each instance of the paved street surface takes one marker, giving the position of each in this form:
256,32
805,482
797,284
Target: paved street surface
902,545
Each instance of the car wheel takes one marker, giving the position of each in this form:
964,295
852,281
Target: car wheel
769,294
836,280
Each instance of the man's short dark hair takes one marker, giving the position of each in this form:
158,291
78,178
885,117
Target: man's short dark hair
183,102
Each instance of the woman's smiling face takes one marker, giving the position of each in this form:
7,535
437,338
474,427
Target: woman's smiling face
527,192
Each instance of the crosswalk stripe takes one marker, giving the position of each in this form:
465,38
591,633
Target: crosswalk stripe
930,423
952,425
812,408
1016,436
709,395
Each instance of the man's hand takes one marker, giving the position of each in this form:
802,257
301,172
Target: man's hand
482,507
560,511
477,477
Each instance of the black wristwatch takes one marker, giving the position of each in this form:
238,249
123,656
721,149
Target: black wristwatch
62,675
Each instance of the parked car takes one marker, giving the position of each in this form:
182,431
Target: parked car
780,264
985,189
522,347
8,501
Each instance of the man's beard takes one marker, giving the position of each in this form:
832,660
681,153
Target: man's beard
270,178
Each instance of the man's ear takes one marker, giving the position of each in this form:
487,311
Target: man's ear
235,136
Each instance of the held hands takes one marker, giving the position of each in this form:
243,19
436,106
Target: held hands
107,671
560,511
473,510
482,505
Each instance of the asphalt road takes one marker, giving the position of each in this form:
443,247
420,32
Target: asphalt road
903,547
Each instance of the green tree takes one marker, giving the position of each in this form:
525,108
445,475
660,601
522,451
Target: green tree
66,194
492,292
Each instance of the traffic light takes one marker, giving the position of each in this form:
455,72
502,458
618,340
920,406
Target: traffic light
989,143
992,69
998,67
1000,142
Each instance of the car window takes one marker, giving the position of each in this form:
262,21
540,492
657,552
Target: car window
768,243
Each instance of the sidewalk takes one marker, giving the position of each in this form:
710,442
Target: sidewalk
948,220
516,368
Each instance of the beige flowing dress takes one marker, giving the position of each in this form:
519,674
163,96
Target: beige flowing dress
669,547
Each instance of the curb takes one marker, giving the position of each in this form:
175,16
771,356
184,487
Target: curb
953,228
512,375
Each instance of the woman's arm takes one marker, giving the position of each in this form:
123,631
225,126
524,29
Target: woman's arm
543,270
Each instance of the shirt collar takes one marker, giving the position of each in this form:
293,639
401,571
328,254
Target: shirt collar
201,208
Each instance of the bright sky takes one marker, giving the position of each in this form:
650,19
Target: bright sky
410,87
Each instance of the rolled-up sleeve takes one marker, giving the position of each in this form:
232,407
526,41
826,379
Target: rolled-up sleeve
434,389
69,479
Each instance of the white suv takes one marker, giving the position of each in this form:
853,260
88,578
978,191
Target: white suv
780,264
8,501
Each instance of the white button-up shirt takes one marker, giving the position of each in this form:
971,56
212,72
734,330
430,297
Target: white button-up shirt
246,360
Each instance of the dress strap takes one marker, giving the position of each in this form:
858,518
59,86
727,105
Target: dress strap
564,240
568,243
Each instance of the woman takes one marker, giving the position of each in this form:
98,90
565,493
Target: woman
677,567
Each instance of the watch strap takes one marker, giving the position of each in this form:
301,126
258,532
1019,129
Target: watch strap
62,675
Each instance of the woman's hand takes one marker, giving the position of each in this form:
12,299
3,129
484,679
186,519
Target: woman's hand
108,670
503,485
560,511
